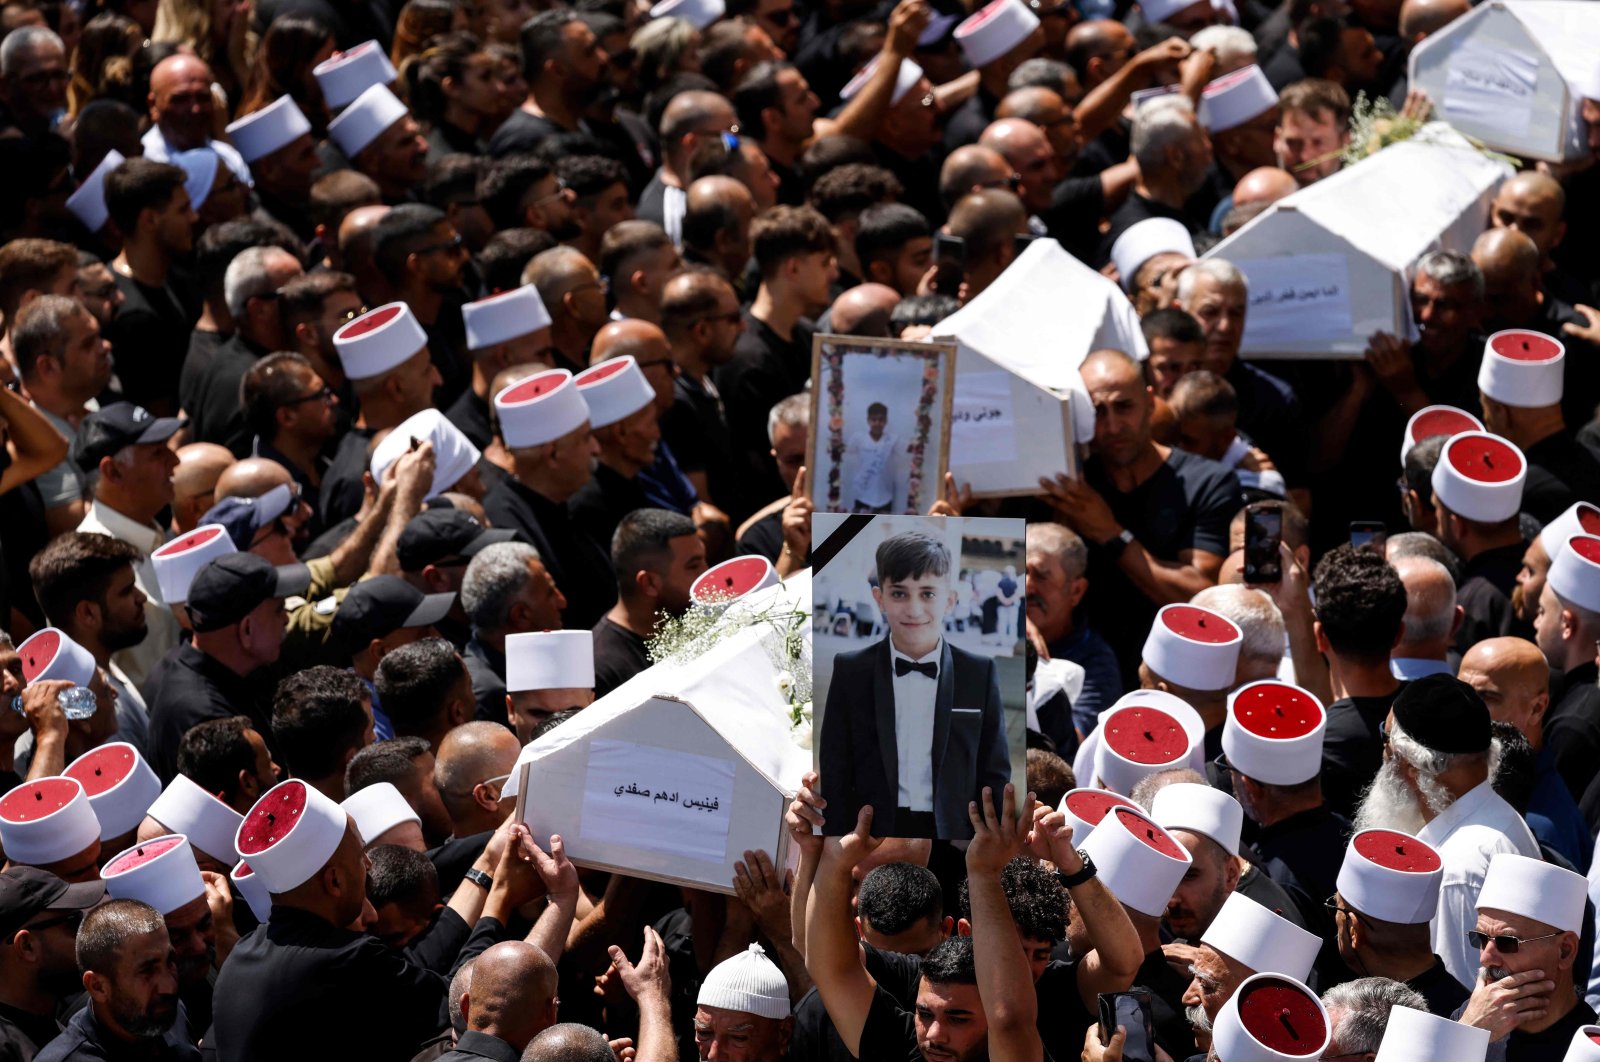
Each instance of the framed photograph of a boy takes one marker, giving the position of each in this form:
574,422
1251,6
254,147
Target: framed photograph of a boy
918,668
882,410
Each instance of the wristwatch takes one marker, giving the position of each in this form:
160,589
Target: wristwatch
1115,546
479,878
1088,871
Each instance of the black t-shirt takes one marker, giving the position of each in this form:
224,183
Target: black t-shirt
696,429
815,1038
1352,749
766,369
1560,471
619,654
150,327
1484,593
520,133
192,378
1076,207
1134,209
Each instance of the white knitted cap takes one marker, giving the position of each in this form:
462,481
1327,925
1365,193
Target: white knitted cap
1429,421
749,983
697,13
1535,889
1585,1046
290,834
1417,1036
1260,939
453,453
365,120
179,561
994,30
1575,572
47,820
183,807
50,655
550,660
503,317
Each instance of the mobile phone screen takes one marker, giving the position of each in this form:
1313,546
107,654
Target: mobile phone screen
1369,534
950,254
1263,530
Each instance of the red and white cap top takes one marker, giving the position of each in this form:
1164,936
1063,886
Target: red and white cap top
504,317
1391,876
1575,572
50,655
1200,809
906,79
1139,861
379,341
365,120
1193,647
1261,940
733,579
1418,1036
119,784
1582,518
1479,477
540,409
253,890
1271,1018
346,75
179,561
1137,741
272,128
1585,1046
47,820
183,807
994,30
550,660
377,809
1535,889
290,834
1236,98
1273,732
1429,421
614,390
1522,368
161,872
1087,808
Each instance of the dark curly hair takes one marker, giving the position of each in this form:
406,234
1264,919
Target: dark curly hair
897,896
950,963
1360,603
1039,902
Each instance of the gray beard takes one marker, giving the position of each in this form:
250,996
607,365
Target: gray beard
1198,1019
1390,804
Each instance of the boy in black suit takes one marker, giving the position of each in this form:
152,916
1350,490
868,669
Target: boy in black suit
912,725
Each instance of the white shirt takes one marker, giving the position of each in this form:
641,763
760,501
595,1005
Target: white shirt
138,661
1470,833
873,482
914,697
674,205
1411,668
156,149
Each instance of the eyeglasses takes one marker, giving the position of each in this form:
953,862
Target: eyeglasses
731,317
1332,904
325,393
604,284
659,363
1505,943
1012,182
350,315
561,187
72,920
451,245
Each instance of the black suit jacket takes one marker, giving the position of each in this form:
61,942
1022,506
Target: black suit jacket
860,762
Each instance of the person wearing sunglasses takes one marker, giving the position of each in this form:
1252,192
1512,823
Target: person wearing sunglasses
39,917
424,259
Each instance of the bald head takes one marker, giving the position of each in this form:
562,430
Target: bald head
987,219
1430,607
864,310
1090,48
710,192
1111,367
632,336
1423,18
181,102
356,233
194,483
470,754
569,1042
1265,184
513,992
969,168
1014,138
1033,102
1532,203
251,478
1505,254
1514,680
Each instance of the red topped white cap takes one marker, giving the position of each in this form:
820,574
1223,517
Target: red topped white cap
179,561
378,341
1575,572
290,834
1391,876
47,820
50,655
453,453
1137,741
346,75
183,807
272,128
905,80
540,409
1271,1018
504,317
732,579
365,120
1139,861
1479,477
160,872
1087,808
614,390
1585,1046
88,202
1273,732
253,889
377,809
1534,889
119,784
1418,1036
1145,239
1236,98
1193,647
1522,368
550,660
1261,940
1429,421
1200,809
1581,519
697,13
994,30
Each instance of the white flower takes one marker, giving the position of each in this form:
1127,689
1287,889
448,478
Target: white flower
785,682
801,733
805,712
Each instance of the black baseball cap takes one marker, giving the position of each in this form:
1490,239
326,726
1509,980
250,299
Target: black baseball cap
383,604
29,891
113,427
228,588
442,534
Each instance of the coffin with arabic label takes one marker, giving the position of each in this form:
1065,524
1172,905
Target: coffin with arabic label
1331,264
1513,74
676,773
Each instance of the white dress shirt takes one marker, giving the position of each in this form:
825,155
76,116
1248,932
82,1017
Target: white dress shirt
156,149
138,661
1470,833
914,697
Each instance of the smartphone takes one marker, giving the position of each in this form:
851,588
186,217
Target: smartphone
1263,531
950,255
1369,534
1131,1010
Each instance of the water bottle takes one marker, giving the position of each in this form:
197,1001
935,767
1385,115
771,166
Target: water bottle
78,702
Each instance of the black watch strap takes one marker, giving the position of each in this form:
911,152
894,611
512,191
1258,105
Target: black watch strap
1088,871
479,878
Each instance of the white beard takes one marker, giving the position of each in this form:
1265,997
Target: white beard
1390,804
1198,1019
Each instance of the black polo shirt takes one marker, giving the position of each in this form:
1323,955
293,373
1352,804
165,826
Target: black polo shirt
475,1045
1485,595
766,369
696,429
581,569
149,329
1352,749
486,667
188,687
601,503
619,654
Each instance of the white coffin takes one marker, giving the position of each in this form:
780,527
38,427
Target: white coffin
629,782
1330,264
1512,74
1019,345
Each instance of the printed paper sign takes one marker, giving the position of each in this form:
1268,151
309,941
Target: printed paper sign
1491,88
658,798
982,424
1296,300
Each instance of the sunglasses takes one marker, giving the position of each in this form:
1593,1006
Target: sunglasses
1332,904
350,315
325,393
1505,943
452,245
